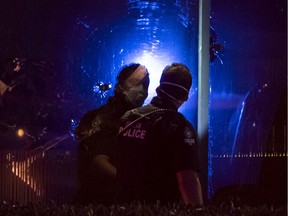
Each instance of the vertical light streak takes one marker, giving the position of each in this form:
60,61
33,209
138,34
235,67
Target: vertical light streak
203,87
22,169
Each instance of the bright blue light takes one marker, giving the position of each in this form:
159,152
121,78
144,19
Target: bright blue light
155,66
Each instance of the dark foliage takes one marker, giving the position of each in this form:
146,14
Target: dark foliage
134,208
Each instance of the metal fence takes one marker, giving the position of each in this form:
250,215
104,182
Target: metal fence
37,175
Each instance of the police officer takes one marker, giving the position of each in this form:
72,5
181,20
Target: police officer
157,146
97,132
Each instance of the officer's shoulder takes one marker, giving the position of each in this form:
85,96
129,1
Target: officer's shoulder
99,115
177,118
139,111
90,114
172,114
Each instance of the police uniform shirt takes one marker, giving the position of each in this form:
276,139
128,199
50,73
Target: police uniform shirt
97,133
153,144
98,128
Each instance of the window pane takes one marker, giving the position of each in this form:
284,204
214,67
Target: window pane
248,104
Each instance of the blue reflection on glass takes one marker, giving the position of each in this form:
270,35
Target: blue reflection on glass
154,33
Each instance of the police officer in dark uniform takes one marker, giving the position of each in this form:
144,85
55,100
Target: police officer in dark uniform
97,132
157,146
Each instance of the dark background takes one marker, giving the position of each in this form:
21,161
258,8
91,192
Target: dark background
253,34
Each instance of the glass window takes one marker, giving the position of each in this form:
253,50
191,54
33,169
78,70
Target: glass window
248,101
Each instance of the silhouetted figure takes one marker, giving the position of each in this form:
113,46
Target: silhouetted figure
97,133
158,148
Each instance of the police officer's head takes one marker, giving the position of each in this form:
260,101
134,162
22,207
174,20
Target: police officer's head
175,83
133,82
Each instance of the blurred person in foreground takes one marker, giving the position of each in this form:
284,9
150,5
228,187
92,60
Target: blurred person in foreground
97,132
158,157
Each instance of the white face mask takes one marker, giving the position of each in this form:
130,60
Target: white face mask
136,95
134,91
172,99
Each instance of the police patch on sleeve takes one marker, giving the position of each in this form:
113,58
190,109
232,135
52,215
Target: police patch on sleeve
95,127
188,136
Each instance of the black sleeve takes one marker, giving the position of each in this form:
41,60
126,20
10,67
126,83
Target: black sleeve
85,124
103,140
185,151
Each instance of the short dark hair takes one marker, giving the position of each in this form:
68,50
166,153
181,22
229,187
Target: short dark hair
177,73
175,82
125,72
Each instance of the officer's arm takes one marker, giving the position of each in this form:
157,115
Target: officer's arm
190,187
103,164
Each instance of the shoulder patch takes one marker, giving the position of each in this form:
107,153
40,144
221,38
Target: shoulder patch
188,136
95,126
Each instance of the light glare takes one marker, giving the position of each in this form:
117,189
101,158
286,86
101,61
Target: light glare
20,132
